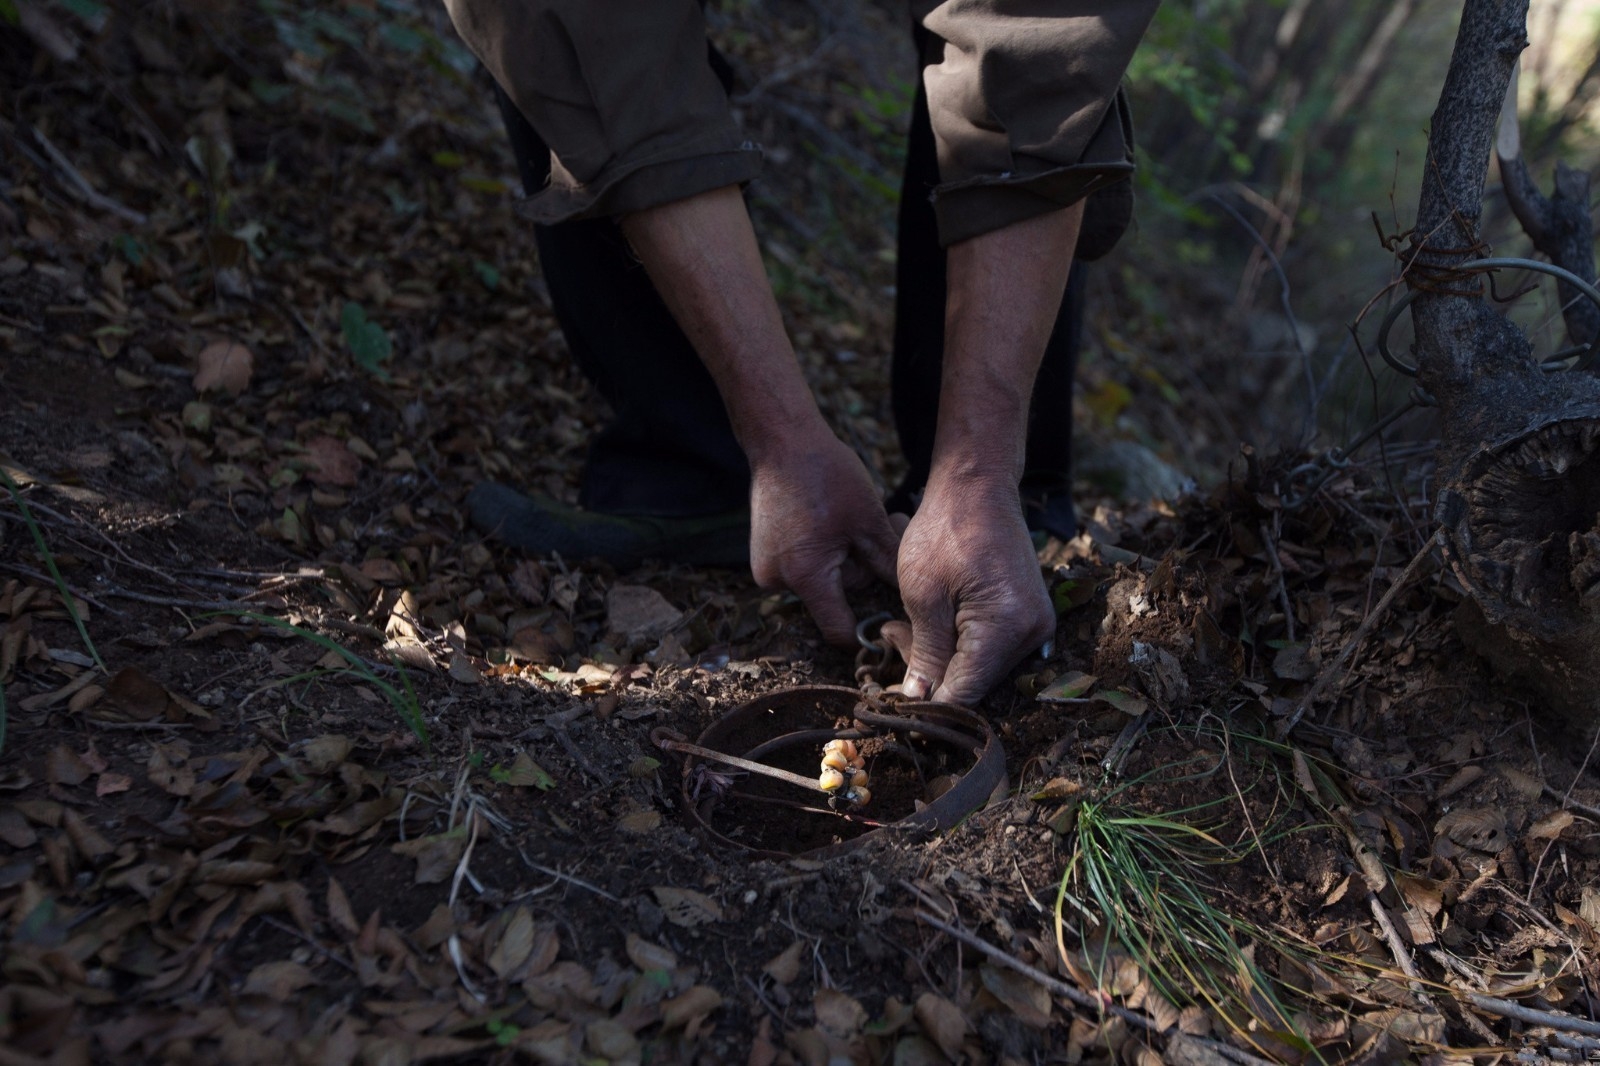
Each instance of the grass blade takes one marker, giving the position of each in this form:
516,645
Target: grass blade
404,702
50,565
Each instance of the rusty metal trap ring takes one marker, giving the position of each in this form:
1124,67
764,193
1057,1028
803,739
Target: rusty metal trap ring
808,717
875,654
1587,354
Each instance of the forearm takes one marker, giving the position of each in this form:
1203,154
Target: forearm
702,256
1005,290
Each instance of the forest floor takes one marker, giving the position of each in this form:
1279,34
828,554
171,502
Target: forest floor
300,769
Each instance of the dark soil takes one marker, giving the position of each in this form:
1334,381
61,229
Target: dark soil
458,838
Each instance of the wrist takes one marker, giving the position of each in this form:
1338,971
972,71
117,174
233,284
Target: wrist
973,480
782,438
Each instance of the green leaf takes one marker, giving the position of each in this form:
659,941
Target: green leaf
524,773
9,12
449,160
1126,702
90,11
130,248
487,274
1067,687
367,340
269,93
402,39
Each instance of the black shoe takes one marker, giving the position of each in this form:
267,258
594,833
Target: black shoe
540,525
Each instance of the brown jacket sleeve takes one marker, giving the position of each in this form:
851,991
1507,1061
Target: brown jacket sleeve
1026,107
621,92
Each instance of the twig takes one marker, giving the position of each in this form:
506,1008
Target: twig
685,748
86,192
1450,962
1505,1008
1283,588
576,755
1397,947
1083,999
309,941
17,568
174,601
1570,804
568,878
1368,624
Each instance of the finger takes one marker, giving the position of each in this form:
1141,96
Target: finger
979,661
898,636
822,591
933,642
899,520
879,549
986,651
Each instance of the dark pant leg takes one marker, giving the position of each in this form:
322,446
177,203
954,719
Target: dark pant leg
920,278
668,449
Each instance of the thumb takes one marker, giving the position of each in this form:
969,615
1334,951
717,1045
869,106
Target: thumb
933,642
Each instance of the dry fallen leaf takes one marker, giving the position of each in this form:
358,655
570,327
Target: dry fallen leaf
1483,828
785,966
1551,826
436,856
690,1009
686,907
838,1014
943,1022
515,944
648,955
64,767
640,822
331,463
224,366
110,783
1028,1000
278,980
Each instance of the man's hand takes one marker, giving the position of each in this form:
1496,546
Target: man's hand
815,524
970,581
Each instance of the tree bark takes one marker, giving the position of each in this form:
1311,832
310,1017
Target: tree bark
1558,225
1519,498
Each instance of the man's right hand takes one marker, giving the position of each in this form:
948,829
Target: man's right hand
816,524
970,581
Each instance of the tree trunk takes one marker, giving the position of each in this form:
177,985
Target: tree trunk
1519,502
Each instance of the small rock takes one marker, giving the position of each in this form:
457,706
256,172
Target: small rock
639,613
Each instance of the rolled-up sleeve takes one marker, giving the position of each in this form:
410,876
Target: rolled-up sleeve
622,93
1026,105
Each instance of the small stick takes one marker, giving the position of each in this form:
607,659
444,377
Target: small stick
1516,1011
568,878
1397,947
86,192
750,797
292,931
685,748
1368,624
576,755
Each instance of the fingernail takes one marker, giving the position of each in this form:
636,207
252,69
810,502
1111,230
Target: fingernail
916,687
